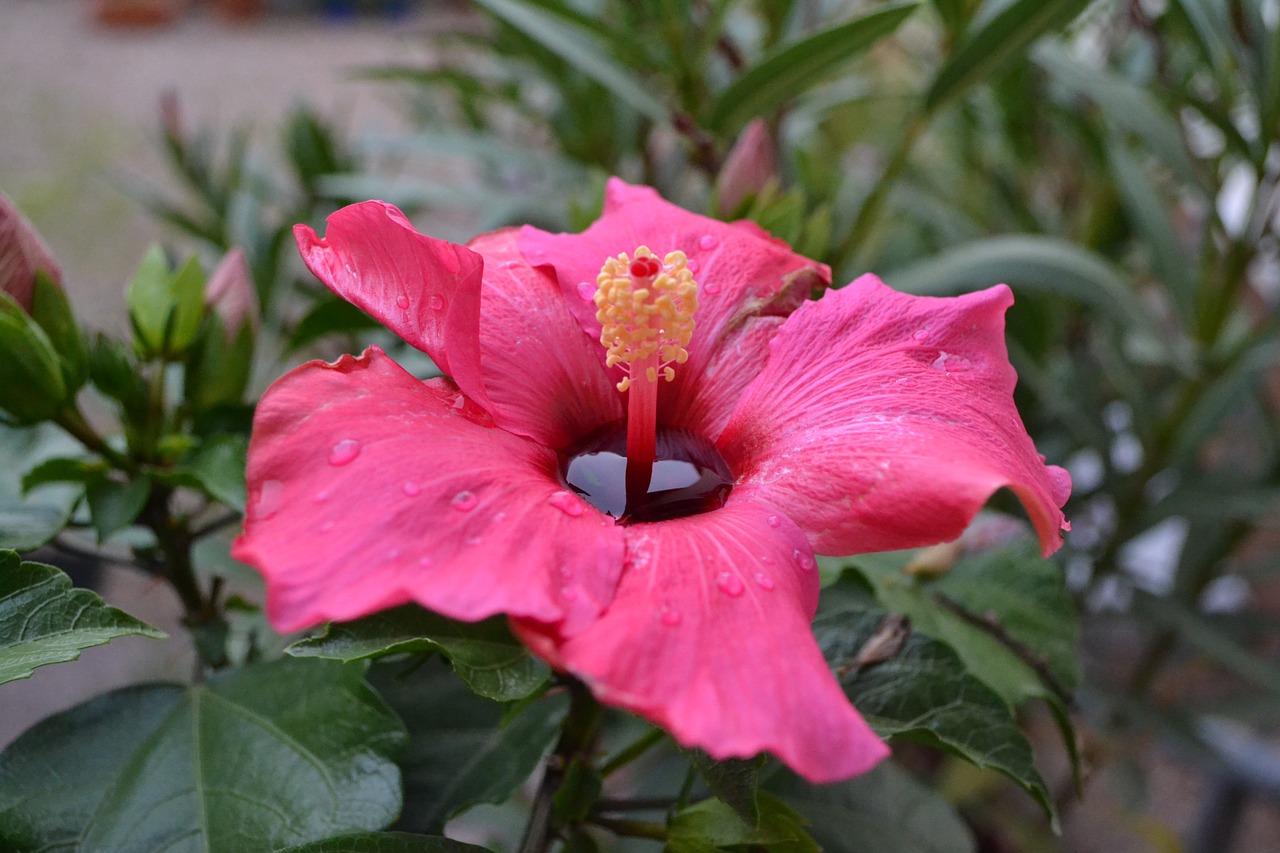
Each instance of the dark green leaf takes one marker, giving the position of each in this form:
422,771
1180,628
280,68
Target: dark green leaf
578,793
580,47
714,825
485,654
885,811
734,781
43,620
1000,40
114,505
63,469
797,67
462,750
261,758
330,316
218,464
34,389
924,693
385,842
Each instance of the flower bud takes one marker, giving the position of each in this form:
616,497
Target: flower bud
22,255
230,293
749,166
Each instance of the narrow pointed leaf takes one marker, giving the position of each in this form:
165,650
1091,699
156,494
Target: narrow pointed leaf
385,842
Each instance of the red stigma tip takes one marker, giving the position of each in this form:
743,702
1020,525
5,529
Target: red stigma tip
645,267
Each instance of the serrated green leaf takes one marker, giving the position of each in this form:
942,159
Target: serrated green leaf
44,620
734,781
385,842
714,825
1000,40
885,811
924,693
261,758
1028,262
798,66
581,48
485,655
114,505
462,749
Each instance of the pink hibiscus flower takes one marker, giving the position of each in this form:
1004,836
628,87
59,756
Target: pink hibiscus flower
645,511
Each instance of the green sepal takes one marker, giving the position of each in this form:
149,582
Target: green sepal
35,389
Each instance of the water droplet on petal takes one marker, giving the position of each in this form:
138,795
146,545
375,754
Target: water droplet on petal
804,560
670,618
402,302
465,501
764,581
411,489
567,502
436,302
920,334
344,452
773,521
322,496
950,363
473,540
730,584
586,291
706,242
692,265
711,288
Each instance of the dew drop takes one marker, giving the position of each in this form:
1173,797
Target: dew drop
402,302
950,363
706,242
344,452
568,593
567,502
803,560
692,265
920,334
711,288
322,496
473,541
411,489
586,291
730,584
465,501
670,618
436,302
773,521
764,581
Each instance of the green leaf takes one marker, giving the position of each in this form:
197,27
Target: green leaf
51,310
26,523
260,758
330,316
1048,264
924,693
1126,106
581,48
218,464
733,780
385,842
1198,632
762,89
166,308
714,825
43,620
113,505
63,469
484,654
885,811
463,749
1001,40
34,388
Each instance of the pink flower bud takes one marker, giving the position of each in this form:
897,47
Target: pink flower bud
230,293
22,255
751,162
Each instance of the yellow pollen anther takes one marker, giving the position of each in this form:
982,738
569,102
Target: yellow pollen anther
645,307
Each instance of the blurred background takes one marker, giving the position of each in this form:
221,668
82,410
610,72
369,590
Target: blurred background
1115,162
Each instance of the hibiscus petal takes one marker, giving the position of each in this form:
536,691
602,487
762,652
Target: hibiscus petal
542,373
369,488
886,421
748,281
425,290
709,637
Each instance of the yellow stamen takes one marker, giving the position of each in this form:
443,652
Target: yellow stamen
645,308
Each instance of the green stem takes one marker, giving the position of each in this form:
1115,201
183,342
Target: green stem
632,752
576,737
73,422
632,828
